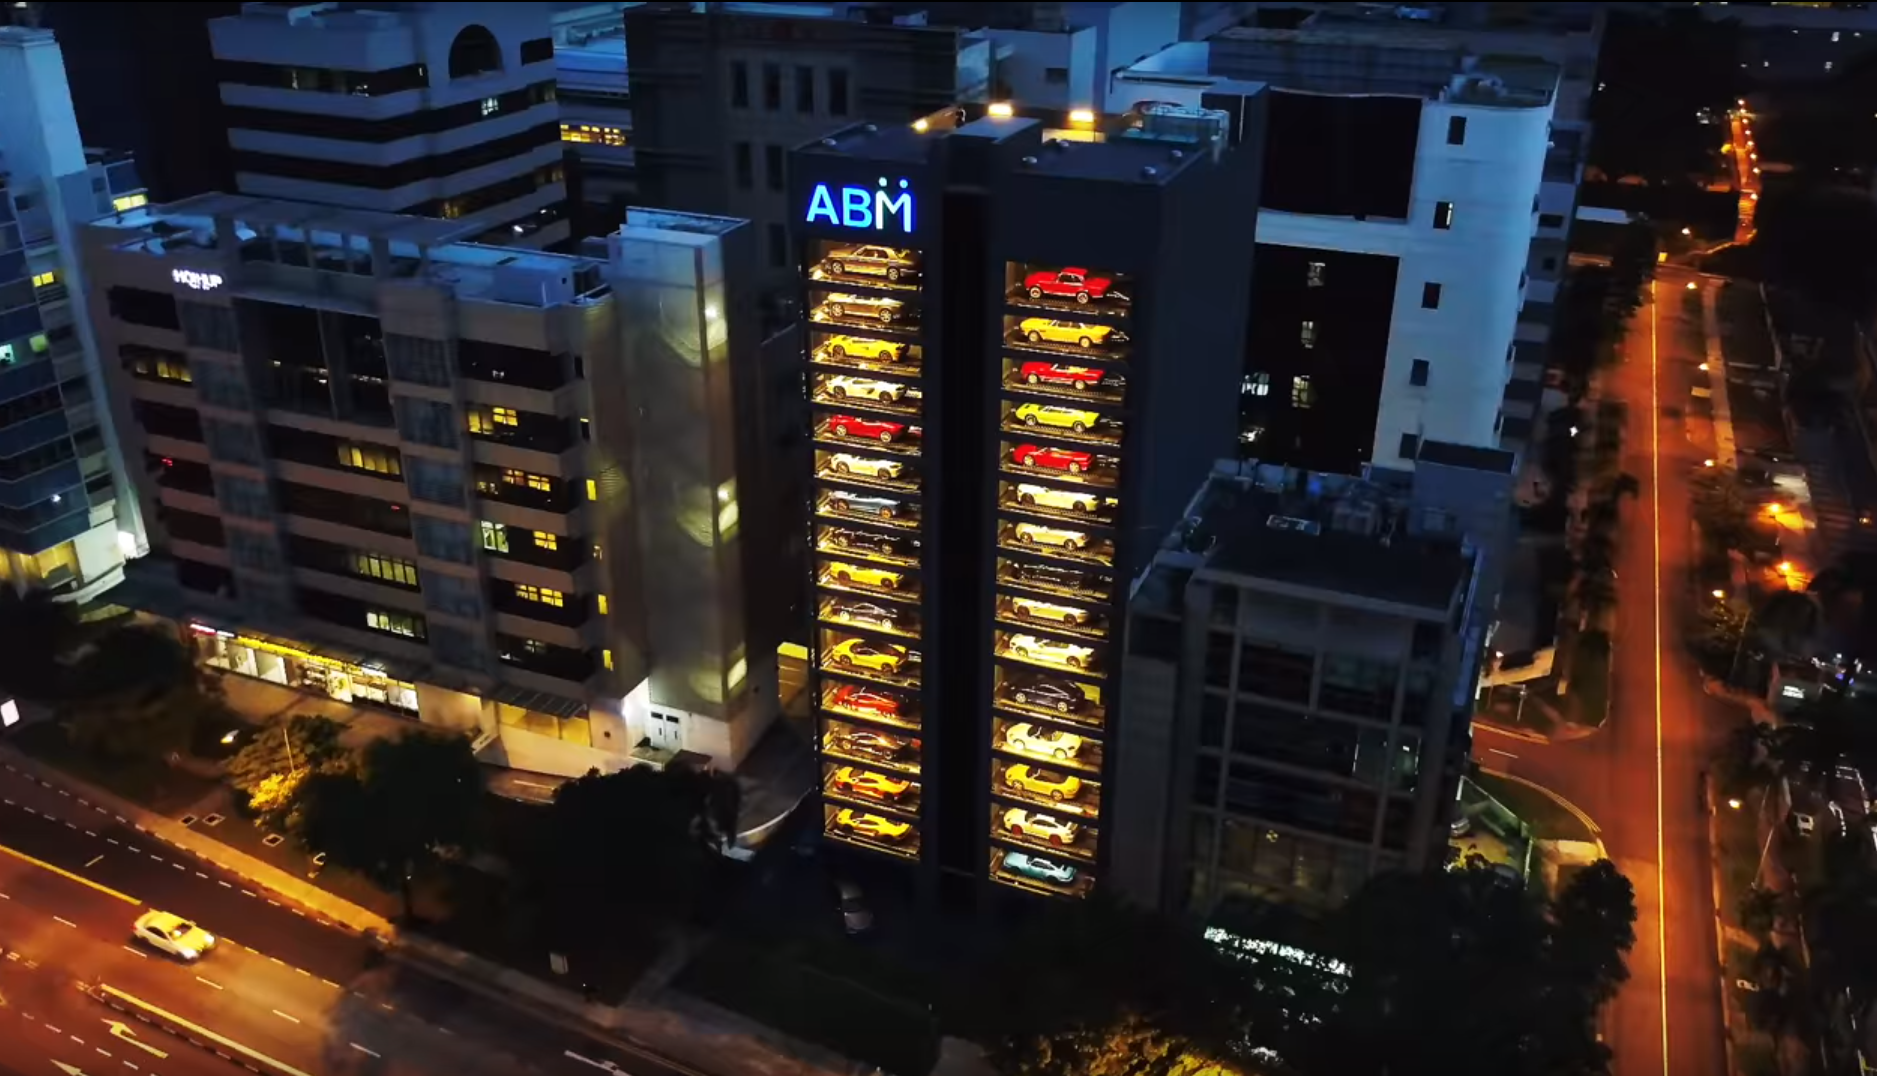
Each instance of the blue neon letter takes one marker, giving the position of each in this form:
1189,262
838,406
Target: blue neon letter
886,207
821,205
856,208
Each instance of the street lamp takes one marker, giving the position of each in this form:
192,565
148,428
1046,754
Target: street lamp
1707,463
1687,231
1734,802
1692,286
1719,593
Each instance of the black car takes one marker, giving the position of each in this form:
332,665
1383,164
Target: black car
876,745
1046,693
1043,575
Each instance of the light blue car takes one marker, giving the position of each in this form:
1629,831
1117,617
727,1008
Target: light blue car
1043,870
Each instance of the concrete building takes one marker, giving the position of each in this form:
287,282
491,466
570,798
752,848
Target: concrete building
494,489
1420,184
1301,660
1022,341
436,109
66,523
596,112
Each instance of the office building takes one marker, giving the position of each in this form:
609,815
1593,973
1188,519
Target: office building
65,524
1301,664
1023,338
595,113
1402,195
491,488
436,110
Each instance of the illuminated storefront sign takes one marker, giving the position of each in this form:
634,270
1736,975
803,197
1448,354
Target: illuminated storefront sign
190,278
862,207
295,667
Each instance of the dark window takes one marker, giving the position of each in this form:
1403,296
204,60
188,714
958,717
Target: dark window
1417,373
1212,720
139,307
778,245
1549,265
162,420
739,84
378,131
1551,220
356,173
745,166
1218,659
504,190
1430,296
805,89
1410,446
1152,637
347,509
191,526
186,475
474,52
1206,773
480,360
837,92
537,50
1056,76
1343,156
773,167
1273,671
772,87
1360,686
205,578
1456,130
1443,215
322,79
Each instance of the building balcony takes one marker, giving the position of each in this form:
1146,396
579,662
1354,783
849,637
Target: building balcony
570,553
28,490
569,666
574,610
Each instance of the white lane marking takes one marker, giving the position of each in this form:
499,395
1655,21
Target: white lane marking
245,893
3,896
286,1017
202,876
138,952
156,857
1496,751
130,1066
94,860
67,922
102,1050
224,885
88,833
363,1050
178,866
54,1030
114,840
207,983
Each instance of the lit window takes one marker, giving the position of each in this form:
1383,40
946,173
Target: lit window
1302,396
604,605
491,105
368,458
504,416
39,343
593,491
595,134
606,658
539,482
1307,334
596,551
1443,215
6,355
45,279
1313,274
126,202
389,569
534,646
1258,384
543,595
544,540
494,537
394,623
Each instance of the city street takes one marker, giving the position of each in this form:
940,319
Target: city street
281,993
1639,777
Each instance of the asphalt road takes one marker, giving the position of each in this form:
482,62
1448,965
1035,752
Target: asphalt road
1639,777
282,994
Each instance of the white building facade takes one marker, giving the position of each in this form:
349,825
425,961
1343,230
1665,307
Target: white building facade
432,109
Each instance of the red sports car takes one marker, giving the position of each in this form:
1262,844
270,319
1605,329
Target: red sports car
1061,459
1070,283
1055,373
866,700
871,428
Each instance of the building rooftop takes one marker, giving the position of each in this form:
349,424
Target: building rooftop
1125,148
342,240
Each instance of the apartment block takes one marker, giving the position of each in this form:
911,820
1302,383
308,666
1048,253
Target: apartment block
389,465
437,110
66,519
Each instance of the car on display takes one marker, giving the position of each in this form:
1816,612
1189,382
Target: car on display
1055,373
172,934
1051,651
873,429
845,387
859,347
1071,460
1061,418
865,700
1031,495
874,786
1041,827
1036,740
1070,283
1047,693
1044,575
871,260
875,745
865,576
1031,609
873,657
885,311
1052,331
857,505
1037,782
848,463
1039,869
862,542
863,614
1037,534
871,826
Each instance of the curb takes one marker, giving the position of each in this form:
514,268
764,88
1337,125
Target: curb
1720,928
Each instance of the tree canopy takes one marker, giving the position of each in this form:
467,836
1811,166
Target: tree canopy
270,768
142,697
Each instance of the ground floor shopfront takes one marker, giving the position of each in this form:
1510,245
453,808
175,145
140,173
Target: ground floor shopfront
289,665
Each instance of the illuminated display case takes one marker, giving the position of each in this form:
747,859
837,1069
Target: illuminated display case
1052,875
1079,506
1060,463
1029,739
1074,337
1068,289
1023,692
865,372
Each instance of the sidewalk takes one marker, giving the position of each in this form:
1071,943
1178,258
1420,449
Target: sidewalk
678,1029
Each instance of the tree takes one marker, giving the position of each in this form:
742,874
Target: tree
36,635
1819,242
1593,928
412,800
1129,1046
1723,509
270,768
1774,1003
1758,910
143,698
663,833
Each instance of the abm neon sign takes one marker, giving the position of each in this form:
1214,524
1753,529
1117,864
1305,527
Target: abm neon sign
888,208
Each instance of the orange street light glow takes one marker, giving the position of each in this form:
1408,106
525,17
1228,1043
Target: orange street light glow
1707,463
1081,115
1720,593
1785,567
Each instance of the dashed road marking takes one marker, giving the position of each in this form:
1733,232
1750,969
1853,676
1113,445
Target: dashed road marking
224,885
93,861
138,952
287,1017
102,1050
245,893
54,1030
207,983
363,1050
67,922
202,876
89,833
130,1066
179,866
115,841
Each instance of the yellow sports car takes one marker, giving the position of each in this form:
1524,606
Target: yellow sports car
1063,418
1057,787
1051,331
871,826
874,786
859,347
864,576
874,657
